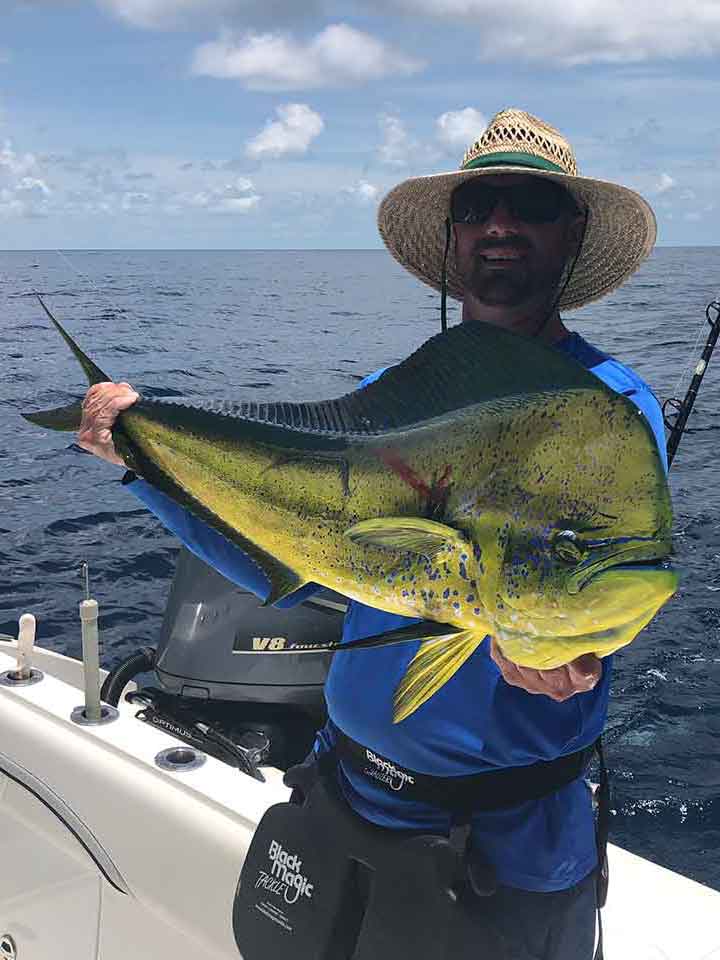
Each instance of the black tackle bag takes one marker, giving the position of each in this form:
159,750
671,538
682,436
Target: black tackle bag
321,883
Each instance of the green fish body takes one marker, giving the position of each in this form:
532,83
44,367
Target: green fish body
487,482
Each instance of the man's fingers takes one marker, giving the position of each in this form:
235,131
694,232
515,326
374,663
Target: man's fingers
585,671
102,405
552,683
559,684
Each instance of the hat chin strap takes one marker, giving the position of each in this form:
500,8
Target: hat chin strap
443,277
562,286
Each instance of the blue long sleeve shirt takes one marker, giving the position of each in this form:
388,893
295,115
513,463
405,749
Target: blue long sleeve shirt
475,722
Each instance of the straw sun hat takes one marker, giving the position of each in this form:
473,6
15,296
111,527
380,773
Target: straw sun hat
620,230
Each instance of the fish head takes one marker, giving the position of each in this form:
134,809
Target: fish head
574,528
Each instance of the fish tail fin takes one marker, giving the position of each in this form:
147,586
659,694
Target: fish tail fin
433,665
59,418
68,417
92,371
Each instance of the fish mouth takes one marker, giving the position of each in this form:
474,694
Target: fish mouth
645,589
548,652
621,593
638,554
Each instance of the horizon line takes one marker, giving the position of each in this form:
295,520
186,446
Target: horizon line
663,244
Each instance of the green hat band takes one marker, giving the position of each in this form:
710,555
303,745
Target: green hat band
513,160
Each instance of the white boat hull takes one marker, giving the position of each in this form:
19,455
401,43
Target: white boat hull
104,855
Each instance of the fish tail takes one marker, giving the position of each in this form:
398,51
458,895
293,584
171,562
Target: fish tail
433,665
68,417
92,371
59,418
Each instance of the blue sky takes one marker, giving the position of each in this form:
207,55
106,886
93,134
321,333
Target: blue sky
281,123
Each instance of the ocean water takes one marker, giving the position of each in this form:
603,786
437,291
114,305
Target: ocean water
306,325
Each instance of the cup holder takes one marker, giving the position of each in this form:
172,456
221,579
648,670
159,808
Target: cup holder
180,759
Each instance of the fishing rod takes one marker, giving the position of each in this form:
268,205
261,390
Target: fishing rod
676,412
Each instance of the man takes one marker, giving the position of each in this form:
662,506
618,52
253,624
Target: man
517,235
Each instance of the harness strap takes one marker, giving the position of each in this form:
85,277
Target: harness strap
493,790
601,836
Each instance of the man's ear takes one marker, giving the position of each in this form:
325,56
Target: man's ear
576,229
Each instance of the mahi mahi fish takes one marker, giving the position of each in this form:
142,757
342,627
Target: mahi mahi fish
488,485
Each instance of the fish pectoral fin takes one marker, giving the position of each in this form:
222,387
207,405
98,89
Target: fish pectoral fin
425,537
59,418
433,665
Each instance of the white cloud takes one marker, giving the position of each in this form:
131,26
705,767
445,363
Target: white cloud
159,14
33,185
364,191
235,197
397,145
293,132
460,128
105,184
15,164
572,32
136,201
561,32
23,191
339,55
664,183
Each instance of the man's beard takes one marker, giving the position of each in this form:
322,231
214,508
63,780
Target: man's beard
509,286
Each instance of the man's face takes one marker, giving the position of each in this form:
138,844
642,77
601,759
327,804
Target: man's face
507,261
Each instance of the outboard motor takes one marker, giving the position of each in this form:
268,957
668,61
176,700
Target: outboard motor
215,634
221,688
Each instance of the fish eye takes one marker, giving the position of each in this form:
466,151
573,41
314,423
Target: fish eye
566,546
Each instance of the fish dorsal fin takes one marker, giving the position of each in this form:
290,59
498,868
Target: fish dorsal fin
468,364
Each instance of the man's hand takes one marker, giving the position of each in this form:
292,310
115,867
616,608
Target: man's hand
102,404
559,684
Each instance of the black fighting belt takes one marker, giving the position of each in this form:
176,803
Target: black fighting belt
492,790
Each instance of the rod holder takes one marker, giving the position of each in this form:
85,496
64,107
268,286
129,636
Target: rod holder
107,715
91,659
24,675
92,713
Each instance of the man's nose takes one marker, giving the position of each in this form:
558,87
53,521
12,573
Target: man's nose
501,221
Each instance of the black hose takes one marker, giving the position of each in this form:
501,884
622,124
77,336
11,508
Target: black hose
121,675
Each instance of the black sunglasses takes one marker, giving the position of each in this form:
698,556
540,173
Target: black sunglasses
541,201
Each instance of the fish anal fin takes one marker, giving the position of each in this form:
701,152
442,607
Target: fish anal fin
414,534
283,581
433,665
